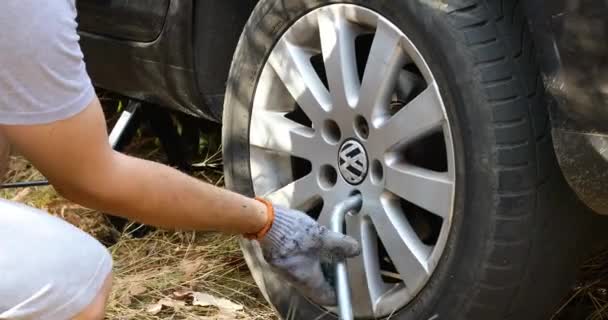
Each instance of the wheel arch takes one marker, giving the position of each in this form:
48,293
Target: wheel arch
564,33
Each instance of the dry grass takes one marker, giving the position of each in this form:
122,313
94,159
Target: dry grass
589,298
162,263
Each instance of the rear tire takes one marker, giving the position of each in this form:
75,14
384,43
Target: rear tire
512,207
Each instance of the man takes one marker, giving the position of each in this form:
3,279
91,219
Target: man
50,114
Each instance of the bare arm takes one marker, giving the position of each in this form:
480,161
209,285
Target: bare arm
75,156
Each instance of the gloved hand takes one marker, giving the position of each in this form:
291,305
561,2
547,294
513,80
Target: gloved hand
296,244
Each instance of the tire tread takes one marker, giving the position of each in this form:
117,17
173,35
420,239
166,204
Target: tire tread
513,88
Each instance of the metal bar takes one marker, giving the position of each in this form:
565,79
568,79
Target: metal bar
113,139
24,184
345,306
123,122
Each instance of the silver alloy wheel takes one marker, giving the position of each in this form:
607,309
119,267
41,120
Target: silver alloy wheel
351,139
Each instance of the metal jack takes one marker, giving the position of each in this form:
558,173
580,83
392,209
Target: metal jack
345,306
123,122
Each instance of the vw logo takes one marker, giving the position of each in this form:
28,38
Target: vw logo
352,161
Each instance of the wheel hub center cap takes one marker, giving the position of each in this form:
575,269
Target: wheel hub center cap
352,161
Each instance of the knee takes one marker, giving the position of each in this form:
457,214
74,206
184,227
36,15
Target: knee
97,308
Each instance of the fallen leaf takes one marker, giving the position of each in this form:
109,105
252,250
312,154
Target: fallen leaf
190,267
182,294
165,302
225,304
137,289
125,300
155,308
203,299
207,300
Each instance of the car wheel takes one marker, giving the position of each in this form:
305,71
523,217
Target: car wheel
433,111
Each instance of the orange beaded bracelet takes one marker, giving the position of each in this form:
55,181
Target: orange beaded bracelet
260,234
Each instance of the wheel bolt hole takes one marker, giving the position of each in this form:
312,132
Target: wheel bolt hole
331,132
377,171
328,176
361,127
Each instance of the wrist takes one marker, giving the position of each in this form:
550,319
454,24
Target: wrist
270,215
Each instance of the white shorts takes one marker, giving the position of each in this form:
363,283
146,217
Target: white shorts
49,269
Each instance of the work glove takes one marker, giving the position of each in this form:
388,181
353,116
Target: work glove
295,245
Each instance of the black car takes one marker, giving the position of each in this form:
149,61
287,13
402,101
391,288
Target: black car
456,120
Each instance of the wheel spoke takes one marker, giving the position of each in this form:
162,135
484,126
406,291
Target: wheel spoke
405,249
338,48
421,116
272,131
383,66
365,279
292,65
427,189
300,194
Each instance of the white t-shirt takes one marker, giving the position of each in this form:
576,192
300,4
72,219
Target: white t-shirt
42,72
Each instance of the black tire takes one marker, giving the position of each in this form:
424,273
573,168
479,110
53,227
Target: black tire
507,256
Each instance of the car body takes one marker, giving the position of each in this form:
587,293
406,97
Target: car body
155,45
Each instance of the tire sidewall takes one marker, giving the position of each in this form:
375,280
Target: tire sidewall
445,295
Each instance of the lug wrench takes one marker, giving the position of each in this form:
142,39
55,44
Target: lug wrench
345,306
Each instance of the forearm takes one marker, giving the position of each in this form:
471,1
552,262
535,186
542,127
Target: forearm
75,156
158,195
